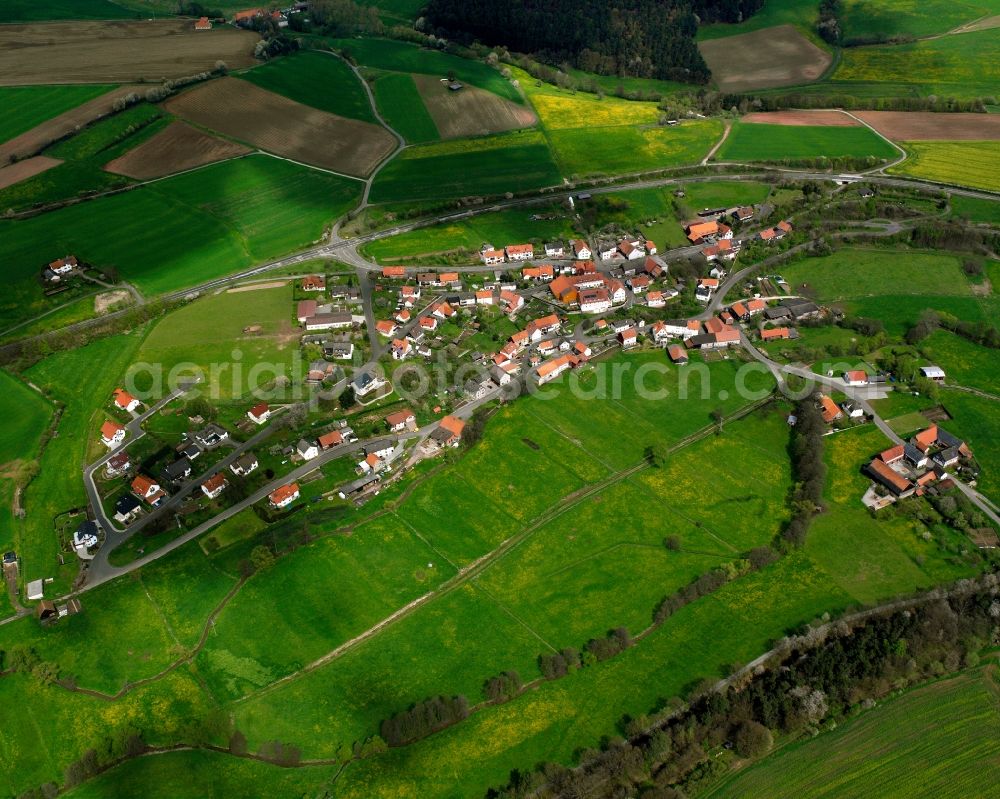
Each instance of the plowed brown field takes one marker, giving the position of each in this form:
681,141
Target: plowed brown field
22,170
928,126
174,149
470,111
274,123
831,117
778,56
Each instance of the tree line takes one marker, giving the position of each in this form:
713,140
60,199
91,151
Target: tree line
828,671
636,38
808,468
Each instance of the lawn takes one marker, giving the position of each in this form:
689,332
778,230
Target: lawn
765,142
582,152
977,420
966,163
211,331
209,223
962,66
315,79
468,167
401,106
81,379
28,415
892,286
497,227
935,740
399,56
28,106
866,20
976,210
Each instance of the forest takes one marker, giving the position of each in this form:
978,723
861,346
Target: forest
635,38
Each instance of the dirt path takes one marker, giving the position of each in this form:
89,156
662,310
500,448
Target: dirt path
718,144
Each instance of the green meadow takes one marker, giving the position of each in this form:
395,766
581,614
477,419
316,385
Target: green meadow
320,80
975,419
54,10
936,739
468,167
399,56
28,106
965,363
867,20
28,415
801,13
401,106
975,210
209,223
895,287
765,142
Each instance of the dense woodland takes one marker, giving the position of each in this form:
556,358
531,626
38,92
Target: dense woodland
640,38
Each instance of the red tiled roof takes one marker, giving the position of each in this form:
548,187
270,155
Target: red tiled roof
330,439
452,424
109,429
830,409
399,417
775,333
122,398
282,493
215,482
889,475
260,409
394,271
892,454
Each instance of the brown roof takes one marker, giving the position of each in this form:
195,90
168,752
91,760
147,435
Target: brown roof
260,409
215,482
399,417
889,476
394,271
892,454
452,424
330,439
282,493
830,409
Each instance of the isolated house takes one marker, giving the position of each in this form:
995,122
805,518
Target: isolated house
259,413
125,401
284,496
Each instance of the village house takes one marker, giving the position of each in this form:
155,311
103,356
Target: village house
852,409
442,310
639,283
179,470
511,301
856,377
448,432
401,348
682,328
706,232
306,450
542,272
484,297
885,475
284,496
775,334
477,387
756,306
491,257
214,485
581,250
714,325
428,323
401,420
125,401
743,214
632,250
409,293
594,300
385,327
320,371
313,283
658,330
653,268
244,464
654,299
329,321
555,249
607,250
365,383
550,370
112,434
519,252
305,310
628,338
147,489
739,312
544,325
402,316
259,413
331,439
127,508
118,464
211,435
394,272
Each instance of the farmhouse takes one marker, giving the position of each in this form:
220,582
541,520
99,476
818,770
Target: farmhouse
284,496
63,266
856,377
882,473
775,334
112,434
829,408
329,321
401,420
314,283
306,309
259,413
214,485
125,401
677,354
448,432
519,252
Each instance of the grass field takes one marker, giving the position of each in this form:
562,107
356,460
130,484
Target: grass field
965,65
209,223
976,420
81,379
498,227
892,286
935,740
27,11
801,13
27,106
866,19
403,57
84,156
315,79
599,151
966,163
210,330
965,363
29,414
763,142
400,104
468,167
976,210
